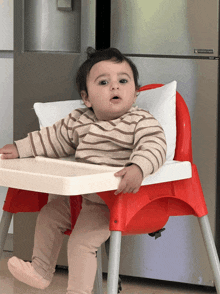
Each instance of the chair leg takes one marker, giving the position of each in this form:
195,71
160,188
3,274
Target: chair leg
107,244
4,227
98,279
114,261
211,249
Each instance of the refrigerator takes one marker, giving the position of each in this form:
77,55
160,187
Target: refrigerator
6,86
50,40
168,40
176,40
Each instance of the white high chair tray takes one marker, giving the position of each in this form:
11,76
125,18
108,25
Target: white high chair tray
66,177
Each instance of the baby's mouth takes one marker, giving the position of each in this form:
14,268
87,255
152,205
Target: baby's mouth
115,99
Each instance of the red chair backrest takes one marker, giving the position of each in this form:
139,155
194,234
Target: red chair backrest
183,150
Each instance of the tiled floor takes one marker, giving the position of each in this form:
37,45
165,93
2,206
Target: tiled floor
8,285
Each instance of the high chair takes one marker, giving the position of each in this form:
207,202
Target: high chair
173,190
149,209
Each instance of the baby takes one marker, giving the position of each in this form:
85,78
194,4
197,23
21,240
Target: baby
110,131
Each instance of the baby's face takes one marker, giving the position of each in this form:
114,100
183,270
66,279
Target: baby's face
111,89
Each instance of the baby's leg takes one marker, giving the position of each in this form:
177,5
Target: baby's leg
90,231
53,220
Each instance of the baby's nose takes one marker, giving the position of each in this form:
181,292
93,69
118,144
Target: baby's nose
115,85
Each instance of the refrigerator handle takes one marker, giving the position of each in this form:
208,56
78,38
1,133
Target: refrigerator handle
65,5
88,27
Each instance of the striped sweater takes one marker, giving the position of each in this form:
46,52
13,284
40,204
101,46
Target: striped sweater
136,137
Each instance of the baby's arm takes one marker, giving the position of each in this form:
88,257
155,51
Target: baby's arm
45,142
53,141
132,177
9,151
148,155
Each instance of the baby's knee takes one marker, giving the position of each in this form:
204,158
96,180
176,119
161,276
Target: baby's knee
46,210
50,212
90,240
45,215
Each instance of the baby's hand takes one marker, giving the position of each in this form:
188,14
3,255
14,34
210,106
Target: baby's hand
132,178
9,151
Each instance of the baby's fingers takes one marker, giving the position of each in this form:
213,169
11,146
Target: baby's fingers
135,190
7,156
121,187
9,151
124,188
120,173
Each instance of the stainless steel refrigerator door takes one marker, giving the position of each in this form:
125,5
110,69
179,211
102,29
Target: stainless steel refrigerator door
165,27
48,28
44,76
6,81
6,113
180,255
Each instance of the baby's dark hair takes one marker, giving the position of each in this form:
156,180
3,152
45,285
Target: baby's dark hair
95,56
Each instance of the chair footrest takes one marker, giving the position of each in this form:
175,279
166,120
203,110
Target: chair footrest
157,234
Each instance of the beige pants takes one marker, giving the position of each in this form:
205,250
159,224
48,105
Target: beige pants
90,231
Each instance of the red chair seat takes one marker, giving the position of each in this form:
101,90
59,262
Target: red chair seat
18,200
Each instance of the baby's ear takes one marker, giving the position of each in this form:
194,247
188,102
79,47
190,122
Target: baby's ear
85,98
135,96
83,94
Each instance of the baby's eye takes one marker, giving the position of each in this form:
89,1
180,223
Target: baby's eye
123,81
103,82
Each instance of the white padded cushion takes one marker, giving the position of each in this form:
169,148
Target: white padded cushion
161,103
50,112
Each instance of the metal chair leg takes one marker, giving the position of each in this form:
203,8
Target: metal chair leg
211,249
107,245
114,261
98,279
4,227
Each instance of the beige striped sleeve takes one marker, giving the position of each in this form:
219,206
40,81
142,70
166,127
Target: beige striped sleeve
149,151
54,141
24,148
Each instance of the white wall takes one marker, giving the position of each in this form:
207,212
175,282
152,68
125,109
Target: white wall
6,81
